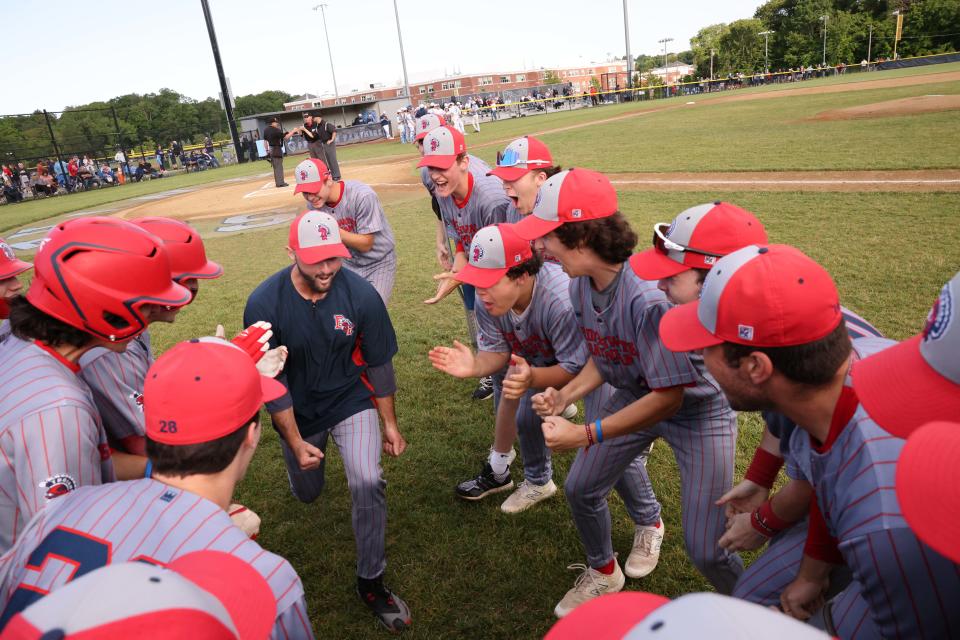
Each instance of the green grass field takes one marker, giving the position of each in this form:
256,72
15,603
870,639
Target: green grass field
467,570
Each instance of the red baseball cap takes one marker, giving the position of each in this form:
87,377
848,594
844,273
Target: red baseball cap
10,265
310,175
202,390
521,156
697,238
574,195
928,485
494,250
427,123
184,247
770,296
441,146
918,380
315,237
203,594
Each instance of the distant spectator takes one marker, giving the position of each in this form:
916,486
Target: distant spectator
208,145
358,120
158,155
10,192
385,123
121,159
210,159
107,175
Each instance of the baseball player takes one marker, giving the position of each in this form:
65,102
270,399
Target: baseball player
94,280
770,325
455,114
683,251
116,378
202,403
10,285
479,169
339,375
523,167
525,320
659,394
364,229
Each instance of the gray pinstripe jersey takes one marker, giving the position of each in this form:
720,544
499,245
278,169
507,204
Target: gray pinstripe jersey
477,167
116,380
359,211
545,334
140,519
51,438
624,342
4,329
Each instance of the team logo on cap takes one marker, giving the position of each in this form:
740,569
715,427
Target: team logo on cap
7,251
477,252
324,232
517,258
576,213
423,124
745,332
303,175
343,323
434,144
58,485
940,316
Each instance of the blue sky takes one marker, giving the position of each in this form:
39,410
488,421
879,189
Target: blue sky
113,47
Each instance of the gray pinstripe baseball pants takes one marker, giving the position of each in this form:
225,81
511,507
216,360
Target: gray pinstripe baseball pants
380,274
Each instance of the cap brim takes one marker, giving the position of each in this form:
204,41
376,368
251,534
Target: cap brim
271,389
420,136
176,295
308,187
15,268
608,617
531,227
210,271
681,329
927,486
508,173
313,255
437,162
483,278
653,265
901,391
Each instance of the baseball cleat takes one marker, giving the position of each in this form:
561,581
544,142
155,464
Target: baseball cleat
483,485
389,608
590,584
526,495
645,554
484,390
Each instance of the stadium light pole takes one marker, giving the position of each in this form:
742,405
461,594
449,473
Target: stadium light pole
824,18
766,56
336,92
224,91
626,37
403,59
869,45
664,42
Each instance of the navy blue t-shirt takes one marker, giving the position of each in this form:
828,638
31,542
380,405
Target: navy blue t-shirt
331,343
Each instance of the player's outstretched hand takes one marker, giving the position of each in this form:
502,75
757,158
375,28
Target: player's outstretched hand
254,339
443,257
518,380
393,442
271,364
457,361
308,455
743,498
740,535
547,403
559,434
447,283
803,597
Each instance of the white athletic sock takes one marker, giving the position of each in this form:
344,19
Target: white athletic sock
500,462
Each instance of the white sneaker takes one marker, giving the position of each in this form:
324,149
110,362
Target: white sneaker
646,551
590,584
526,495
570,412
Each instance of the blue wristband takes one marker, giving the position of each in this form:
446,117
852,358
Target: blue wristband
149,470
599,431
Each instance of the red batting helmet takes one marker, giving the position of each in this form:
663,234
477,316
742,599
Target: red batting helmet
188,259
96,273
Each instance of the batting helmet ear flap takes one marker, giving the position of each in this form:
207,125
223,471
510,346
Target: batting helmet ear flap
96,274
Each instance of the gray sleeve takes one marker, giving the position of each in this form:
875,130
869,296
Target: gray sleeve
382,379
369,214
489,336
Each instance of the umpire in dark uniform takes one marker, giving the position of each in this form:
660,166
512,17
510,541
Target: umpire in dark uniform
327,133
274,139
311,135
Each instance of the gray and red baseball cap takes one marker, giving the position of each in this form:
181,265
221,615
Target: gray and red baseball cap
928,485
203,594
10,265
315,237
918,380
494,250
697,238
202,390
635,615
521,156
441,146
762,296
574,195
427,123
310,175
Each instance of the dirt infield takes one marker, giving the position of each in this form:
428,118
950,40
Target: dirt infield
890,108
